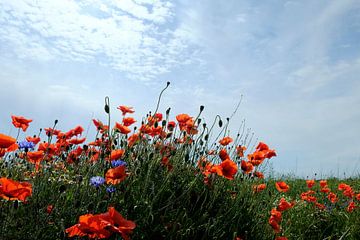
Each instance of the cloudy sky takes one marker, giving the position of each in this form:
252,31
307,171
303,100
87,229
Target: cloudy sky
296,64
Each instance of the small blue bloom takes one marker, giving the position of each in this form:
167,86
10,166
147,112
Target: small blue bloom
26,145
117,163
110,189
97,181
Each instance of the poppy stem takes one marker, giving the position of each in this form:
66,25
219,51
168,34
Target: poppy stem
158,103
18,133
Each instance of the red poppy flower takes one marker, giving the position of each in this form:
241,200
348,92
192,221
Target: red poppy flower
310,183
281,238
332,197
284,205
229,169
171,125
125,110
6,141
34,139
225,141
308,196
247,167
223,154
102,225
133,139
13,190
259,188
259,175
77,141
323,183
240,151
123,129
358,196
262,146
117,154
282,186
351,207
115,175
35,157
20,122
128,121
49,208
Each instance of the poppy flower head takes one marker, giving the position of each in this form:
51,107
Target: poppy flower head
284,205
117,154
247,167
125,110
225,141
122,128
171,125
6,141
13,190
115,175
229,169
259,188
310,183
128,121
240,150
20,122
223,154
282,186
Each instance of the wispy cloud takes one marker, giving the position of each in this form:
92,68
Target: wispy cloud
134,37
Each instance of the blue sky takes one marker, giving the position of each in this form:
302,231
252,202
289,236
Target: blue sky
296,63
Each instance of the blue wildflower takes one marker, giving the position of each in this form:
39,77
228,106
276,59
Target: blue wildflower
110,189
117,163
97,181
26,145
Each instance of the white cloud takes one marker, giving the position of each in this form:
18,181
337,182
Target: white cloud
135,37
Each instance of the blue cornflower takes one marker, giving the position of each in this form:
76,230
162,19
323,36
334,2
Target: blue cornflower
110,189
117,163
97,181
26,145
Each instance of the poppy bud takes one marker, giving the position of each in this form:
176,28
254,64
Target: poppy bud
163,123
167,84
206,137
56,121
107,109
199,121
220,123
168,111
201,108
204,125
156,124
227,119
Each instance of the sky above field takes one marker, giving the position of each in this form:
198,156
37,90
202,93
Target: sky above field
296,64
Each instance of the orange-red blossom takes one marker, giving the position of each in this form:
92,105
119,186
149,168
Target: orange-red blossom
20,122
102,225
13,190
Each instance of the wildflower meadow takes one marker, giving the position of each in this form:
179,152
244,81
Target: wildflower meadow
165,176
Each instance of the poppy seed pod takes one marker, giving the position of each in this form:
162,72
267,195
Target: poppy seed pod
167,84
56,121
168,111
220,123
202,108
107,109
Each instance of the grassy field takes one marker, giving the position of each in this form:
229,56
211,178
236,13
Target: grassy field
163,180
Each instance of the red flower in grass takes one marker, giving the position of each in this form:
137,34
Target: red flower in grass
13,190
351,207
128,121
115,175
240,151
117,154
20,122
125,110
259,175
310,183
259,188
281,238
308,196
282,186
247,167
275,219
33,139
77,141
223,154
122,128
225,141
102,225
229,169
332,197
284,205
6,141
